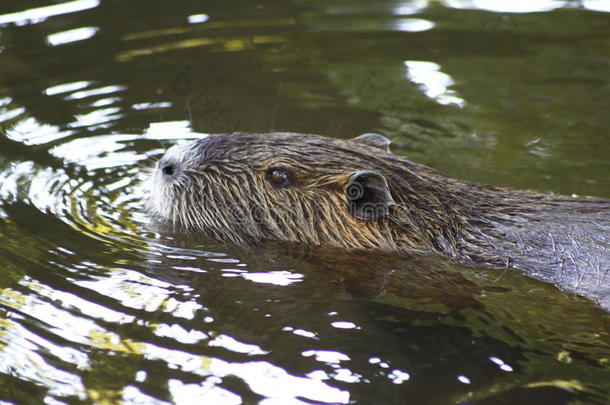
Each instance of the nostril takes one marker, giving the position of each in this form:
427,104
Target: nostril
168,169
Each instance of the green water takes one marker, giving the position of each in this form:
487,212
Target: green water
99,305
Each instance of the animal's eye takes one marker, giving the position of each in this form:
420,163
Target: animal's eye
279,177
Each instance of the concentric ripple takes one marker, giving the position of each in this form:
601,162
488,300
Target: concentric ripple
99,189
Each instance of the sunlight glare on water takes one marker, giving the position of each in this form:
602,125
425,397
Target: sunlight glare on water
528,6
40,14
433,82
31,132
413,25
66,88
77,34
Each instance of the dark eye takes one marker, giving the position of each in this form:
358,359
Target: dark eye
279,177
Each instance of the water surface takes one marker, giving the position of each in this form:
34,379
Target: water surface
100,305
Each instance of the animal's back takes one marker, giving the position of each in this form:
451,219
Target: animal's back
566,243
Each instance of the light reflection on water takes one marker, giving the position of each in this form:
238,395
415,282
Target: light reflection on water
66,88
95,92
198,18
434,83
100,305
31,132
413,25
40,14
530,6
66,37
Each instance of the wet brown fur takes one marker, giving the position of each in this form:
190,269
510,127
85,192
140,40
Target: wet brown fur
222,189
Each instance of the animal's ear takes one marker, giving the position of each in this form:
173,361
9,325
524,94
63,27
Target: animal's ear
368,195
375,140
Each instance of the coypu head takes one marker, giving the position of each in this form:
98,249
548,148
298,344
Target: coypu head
291,187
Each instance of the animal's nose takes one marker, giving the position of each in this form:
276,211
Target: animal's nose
168,167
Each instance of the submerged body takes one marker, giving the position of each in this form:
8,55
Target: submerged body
355,194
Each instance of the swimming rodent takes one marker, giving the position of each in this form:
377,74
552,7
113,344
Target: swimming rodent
355,194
